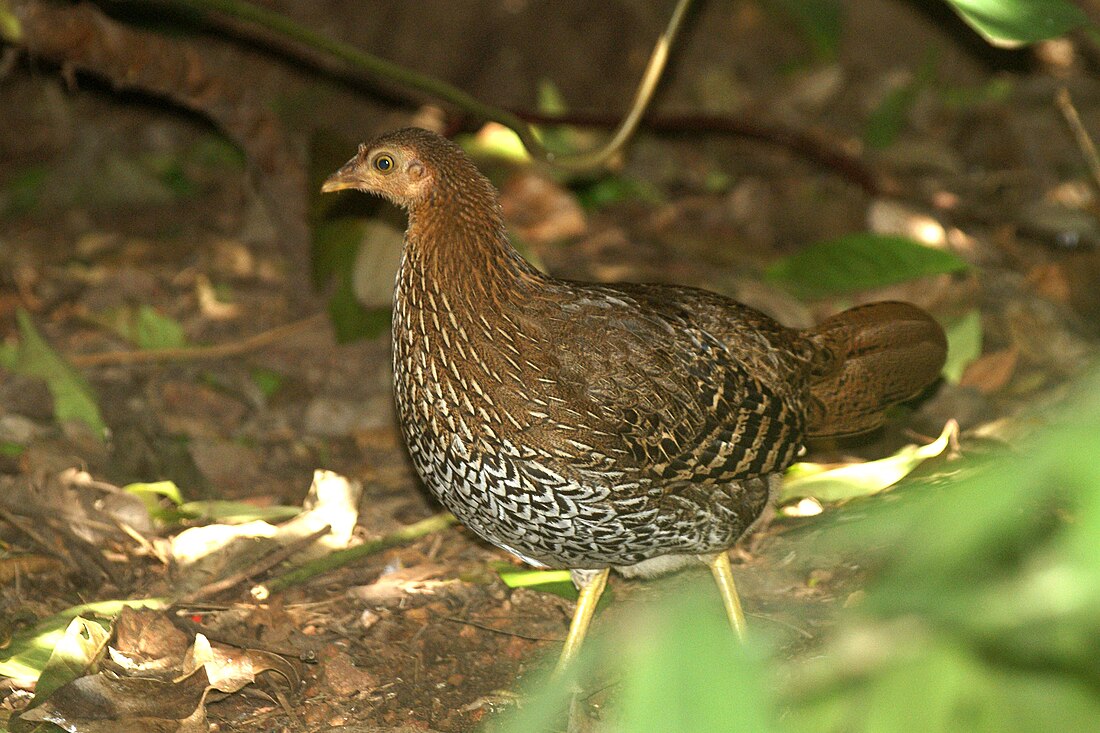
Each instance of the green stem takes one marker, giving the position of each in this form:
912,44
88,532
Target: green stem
340,558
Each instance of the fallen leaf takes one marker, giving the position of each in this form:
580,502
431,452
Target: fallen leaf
860,479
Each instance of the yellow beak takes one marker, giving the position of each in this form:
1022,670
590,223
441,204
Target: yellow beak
346,177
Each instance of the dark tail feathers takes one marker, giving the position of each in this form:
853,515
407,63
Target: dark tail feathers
873,356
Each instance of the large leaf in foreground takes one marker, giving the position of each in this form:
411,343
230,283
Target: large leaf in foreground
1015,23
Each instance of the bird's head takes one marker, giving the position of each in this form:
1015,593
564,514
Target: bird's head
398,165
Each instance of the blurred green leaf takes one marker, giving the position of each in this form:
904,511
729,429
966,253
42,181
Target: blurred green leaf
933,685
861,479
170,169
237,512
167,489
73,398
677,666
495,141
268,381
558,139
890,117
146,328
11,450
336,246
11,30
964,344
857,262
1014,23
76,653
217,151
997,90
9,354
596,194
29,650
351,321
151,495
25,188
986,613
550,99
340,226
818,20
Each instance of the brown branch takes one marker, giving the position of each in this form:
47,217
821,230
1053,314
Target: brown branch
194,353
340,558
815,146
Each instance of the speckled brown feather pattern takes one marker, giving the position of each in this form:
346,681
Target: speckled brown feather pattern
585,426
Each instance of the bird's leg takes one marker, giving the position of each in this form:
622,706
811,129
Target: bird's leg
590,583
723,576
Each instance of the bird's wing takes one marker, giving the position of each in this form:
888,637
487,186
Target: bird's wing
661,393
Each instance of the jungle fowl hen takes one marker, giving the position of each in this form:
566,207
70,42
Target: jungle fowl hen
587,426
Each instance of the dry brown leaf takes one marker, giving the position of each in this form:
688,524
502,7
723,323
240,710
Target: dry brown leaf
991,372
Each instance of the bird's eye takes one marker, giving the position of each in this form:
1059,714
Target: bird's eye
383,163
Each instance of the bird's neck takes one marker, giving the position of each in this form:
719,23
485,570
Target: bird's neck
457,244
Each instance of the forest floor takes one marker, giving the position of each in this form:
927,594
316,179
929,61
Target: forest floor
113,204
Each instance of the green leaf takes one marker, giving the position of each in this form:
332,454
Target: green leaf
1014,23
151,330
557,582
858,262
861,479
144,327
890,117
73,398
595,195
328,150
25,188
335,248
495,141
11,30
676,666
30,649
76,653
351,321
964,344
237,512
153,491
683,670
9,354
818,20
268,381
9,449
550,99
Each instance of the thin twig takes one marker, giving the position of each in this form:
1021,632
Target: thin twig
505,632
262,565
194,353
340,558
1084,140
180,617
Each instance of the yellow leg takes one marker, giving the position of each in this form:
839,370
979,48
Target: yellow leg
591,587
723,576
